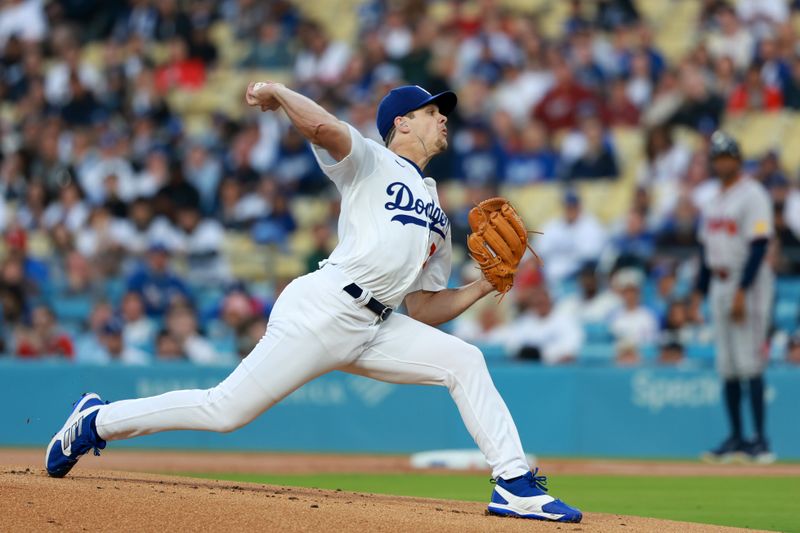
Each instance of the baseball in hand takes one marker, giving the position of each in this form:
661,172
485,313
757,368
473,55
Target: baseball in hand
259,85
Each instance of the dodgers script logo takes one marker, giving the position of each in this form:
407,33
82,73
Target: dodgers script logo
404,201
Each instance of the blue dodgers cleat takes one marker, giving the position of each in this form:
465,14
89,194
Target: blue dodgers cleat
77,437
526,497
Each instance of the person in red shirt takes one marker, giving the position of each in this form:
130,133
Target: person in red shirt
565,101
754,95
43,338
182,71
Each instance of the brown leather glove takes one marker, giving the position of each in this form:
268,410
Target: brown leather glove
497,242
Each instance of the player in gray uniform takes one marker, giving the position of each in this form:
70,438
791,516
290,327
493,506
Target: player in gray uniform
735,230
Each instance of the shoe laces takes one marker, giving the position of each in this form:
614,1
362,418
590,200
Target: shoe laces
539,482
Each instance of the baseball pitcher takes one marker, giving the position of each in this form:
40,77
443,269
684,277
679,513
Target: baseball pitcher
735,230
394,246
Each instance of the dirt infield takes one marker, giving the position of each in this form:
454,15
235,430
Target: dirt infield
117,501
274,463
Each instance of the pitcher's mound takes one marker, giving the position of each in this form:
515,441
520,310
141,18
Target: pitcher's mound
121,501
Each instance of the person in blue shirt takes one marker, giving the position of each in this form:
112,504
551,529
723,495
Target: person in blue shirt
535,161
157,284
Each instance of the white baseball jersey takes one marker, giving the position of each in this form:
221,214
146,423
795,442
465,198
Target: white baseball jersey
394,237
731,220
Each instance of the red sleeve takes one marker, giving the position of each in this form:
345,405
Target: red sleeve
773,99
64,346
737,101
26,349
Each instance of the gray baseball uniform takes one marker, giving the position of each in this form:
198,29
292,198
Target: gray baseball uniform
730,222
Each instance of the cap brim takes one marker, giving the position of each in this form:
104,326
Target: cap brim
445,101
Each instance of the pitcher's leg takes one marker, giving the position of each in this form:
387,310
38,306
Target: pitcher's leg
280,363
407,351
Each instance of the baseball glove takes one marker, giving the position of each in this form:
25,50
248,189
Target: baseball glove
497,242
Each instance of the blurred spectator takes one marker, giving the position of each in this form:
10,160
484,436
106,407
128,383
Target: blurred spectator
677,235
13,295
321,235
43,338
69,209
295,167
598,159
479,159
236,312
204,172
620,109
612,14
635,244
792,90
254,330
666,161
634,322
676,329
138,330
275,226
108,175
181,323
320,60
535,161
762,15
136,231
168,348
181,71
731,40
484,322
569,242
793,350
640,85
200,241
627,354
776,71
177,192
158,286
565,101
35,271
88,346
754,95
171,22
592,303
24,19
113,347
725,78
701,109
671,353
270,51
30,214
101,240
540,333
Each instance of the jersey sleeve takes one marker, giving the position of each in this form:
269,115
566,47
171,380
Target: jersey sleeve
436,272
359,163
758,217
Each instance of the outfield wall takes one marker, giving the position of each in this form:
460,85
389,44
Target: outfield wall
643,412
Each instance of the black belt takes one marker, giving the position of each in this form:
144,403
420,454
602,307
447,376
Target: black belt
383,311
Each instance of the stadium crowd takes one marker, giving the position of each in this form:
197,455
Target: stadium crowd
115,214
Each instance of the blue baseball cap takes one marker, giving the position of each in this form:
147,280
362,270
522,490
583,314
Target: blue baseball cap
403,100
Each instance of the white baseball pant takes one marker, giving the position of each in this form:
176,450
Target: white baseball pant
315,327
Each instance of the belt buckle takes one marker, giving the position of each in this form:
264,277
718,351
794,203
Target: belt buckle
385,314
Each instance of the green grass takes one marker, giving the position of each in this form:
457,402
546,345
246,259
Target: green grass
756,502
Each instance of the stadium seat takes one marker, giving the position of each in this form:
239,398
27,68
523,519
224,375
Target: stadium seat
786,314
597,352
701,352
75,309
597,332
